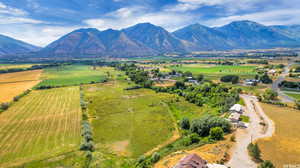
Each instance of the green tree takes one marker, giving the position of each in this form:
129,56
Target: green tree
216,133
199,77
254,152
266,79
155,157
297,104
270,95
266,164
185,123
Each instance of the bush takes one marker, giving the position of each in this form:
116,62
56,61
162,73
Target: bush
155,157
4,106
216,133
203,125
266,164
269,95
254,152
194,138
234,79
266,79
185,123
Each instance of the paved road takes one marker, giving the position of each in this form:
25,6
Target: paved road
281,78
240,157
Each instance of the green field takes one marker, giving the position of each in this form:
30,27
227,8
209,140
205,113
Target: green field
71,75
40,125
215,71
132,122
293,95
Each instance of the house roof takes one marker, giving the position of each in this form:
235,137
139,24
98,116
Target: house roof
236,107
216,166
191,161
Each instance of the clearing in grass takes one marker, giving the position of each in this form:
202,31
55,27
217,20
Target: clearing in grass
42,124
72,75
283,147
13,84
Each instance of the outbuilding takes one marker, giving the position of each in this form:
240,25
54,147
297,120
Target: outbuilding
237,108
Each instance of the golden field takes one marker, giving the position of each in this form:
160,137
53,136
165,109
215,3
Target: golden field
284,146
13,84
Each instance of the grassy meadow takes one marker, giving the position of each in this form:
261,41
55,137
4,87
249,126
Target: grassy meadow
71,75
13,84
40,125
133,122
216,71
283,147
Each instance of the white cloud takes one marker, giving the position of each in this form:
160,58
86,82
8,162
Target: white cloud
273,17
4,9
230,5
37,35
125,17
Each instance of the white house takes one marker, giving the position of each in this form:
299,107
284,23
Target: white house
237,108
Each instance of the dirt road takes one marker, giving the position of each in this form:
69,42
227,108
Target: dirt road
240,157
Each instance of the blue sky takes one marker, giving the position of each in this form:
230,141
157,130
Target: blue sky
42,21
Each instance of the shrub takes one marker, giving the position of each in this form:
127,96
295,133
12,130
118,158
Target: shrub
185,123
194,138
254,152
155,157
203,125
4,106
216,133
266,79
266,164
230,78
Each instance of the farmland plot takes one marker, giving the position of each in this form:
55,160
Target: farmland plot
71,75
218,70
42,124
13,84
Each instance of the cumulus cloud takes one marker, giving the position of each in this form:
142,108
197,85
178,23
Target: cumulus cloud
125,17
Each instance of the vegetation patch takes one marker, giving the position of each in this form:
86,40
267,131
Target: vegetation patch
40,125
67,75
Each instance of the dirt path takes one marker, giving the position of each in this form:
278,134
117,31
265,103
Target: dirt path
240,157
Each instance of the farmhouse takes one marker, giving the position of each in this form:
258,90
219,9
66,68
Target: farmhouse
237,108
191,161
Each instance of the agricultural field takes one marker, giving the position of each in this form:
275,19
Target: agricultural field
216,71
12,66
43,124
283,147
13,84
72,75
133,122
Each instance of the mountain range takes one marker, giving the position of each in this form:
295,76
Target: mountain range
146,39
9,46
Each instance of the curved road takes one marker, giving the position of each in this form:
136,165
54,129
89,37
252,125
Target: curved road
255,131
281,78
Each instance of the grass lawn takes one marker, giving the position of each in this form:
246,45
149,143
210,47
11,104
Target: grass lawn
214,72
71,75
284,147
40,125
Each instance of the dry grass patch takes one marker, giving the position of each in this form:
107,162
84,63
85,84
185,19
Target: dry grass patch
13,84
210,152
283,147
